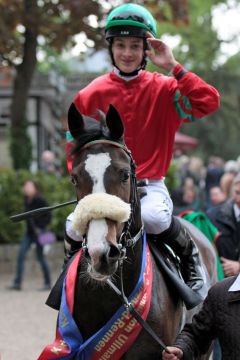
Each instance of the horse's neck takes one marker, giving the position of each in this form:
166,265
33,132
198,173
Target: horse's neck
100,302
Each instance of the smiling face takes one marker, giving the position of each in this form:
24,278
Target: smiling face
128,53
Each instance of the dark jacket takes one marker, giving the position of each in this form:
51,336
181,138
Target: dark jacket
218,318
37,222
228,243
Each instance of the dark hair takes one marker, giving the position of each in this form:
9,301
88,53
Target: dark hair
35,183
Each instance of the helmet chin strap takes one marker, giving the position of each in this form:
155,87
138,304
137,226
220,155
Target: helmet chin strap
128,75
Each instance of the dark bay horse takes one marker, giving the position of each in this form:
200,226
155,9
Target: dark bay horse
115,252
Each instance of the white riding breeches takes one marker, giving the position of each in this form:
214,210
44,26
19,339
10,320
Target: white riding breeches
156,207
70,231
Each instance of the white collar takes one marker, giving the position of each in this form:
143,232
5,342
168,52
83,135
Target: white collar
236,285
126,78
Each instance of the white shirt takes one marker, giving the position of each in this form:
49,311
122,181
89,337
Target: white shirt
236,285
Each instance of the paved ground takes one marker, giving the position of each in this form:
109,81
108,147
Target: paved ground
27,324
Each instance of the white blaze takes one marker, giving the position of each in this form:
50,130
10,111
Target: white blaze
96,165
97,244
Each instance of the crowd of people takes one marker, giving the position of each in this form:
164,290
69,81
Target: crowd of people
214,190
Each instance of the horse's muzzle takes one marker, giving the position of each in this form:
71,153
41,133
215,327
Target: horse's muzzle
103,262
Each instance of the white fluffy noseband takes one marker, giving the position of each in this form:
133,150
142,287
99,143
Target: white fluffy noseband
99,206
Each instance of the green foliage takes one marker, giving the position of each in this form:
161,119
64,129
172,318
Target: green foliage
11,203
55,191
20,147
218,133
171,178
199,45
232,65
53,61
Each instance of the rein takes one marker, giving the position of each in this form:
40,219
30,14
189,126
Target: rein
130,308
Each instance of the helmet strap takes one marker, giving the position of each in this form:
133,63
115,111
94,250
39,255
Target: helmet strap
127,76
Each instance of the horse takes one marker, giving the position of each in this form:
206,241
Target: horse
115,269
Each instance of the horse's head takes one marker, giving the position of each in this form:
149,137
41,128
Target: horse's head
108,212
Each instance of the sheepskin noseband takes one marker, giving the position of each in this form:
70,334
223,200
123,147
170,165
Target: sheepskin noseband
99,206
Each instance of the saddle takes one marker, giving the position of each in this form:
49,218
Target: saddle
169,264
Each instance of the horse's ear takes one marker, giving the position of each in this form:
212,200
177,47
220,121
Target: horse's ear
75,121
114,123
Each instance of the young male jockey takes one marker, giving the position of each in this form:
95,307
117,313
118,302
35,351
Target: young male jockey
152,107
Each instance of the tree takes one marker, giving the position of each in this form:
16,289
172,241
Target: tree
22,24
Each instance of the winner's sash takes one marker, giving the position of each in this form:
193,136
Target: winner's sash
113,339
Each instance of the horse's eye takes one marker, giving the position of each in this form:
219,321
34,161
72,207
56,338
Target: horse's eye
74,180
125,175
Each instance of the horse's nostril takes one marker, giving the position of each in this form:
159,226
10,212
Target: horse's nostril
113,253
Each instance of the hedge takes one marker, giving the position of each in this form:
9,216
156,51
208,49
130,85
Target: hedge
55,190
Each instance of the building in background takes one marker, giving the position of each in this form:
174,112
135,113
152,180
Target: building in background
44,115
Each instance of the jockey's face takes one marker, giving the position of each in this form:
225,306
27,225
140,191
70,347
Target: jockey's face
127,53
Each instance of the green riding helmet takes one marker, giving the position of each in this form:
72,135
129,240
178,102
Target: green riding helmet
130,20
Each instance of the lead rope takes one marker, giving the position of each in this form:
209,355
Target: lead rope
131,309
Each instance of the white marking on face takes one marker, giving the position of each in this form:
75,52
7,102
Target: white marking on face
96,165
97,243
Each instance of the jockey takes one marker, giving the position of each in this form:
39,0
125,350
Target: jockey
152,107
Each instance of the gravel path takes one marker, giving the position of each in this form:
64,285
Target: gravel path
27,324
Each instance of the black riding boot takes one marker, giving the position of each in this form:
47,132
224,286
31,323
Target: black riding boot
70,248
183,245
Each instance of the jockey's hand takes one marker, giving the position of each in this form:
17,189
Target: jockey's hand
160,53
172,353
230,267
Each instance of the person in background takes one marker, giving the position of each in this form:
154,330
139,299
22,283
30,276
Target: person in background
214,172
226,218
186,197
32,200
48,162
230,171
152,106
217,196
219,318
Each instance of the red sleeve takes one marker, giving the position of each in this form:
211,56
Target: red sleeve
194,97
